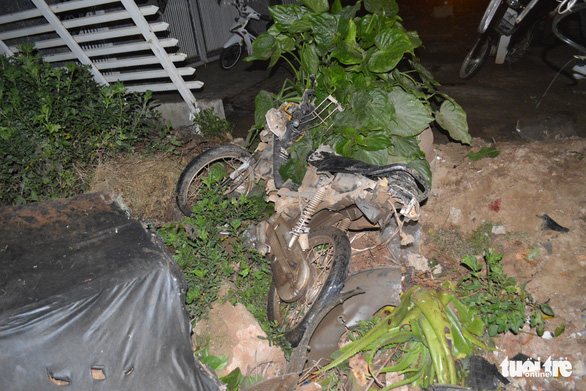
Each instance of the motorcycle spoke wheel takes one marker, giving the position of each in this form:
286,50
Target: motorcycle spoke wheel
329,258
476,57
230,56
213,167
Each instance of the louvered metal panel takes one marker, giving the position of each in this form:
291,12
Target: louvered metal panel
216,21
177,14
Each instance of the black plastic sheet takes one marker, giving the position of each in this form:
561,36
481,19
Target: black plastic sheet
89,300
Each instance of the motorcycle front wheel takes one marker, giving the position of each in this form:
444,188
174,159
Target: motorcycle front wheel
230,56
476,57
329,256
214,166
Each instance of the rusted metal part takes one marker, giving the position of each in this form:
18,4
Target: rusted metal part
291,276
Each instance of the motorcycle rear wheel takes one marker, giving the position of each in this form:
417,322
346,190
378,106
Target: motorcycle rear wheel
476,57
329,255
230,56
217,163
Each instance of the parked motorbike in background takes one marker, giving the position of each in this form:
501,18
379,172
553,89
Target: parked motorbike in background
506,31
564,10
306,239
242,35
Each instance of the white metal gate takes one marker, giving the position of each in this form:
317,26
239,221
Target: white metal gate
112,37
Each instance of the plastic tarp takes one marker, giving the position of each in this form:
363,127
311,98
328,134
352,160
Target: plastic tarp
89,300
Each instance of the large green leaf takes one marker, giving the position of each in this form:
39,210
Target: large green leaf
366,30
348,53
374,108
262,47
392,43
377,140
317,6
379,158
393,39
324,27
389,7
262,103
310,59
415,40
412,117
452,118
285,15
384,61
348,12
425,75
405,147
333,77
300,25
296,166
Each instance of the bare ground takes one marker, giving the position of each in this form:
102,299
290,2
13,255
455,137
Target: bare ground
526,180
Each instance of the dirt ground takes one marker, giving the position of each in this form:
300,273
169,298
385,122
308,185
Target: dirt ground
526,180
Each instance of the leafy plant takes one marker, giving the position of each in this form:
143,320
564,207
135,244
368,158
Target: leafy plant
424,336
500,301
56,122
235,380
364,58
209,248
212,126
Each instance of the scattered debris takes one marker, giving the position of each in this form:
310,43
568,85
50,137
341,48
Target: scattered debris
495,205
418,262
499,229
549,223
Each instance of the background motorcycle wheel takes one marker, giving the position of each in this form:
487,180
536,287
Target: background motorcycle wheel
329,253
476,57
230,56
221,161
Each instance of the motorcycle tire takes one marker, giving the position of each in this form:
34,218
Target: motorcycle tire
222,160
488,16
476,57
334,271
230,56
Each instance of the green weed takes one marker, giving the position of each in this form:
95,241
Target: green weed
500,301
212,126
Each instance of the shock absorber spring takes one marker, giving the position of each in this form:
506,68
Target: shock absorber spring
307,214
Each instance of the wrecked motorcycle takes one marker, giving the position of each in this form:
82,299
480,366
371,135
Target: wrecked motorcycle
306,239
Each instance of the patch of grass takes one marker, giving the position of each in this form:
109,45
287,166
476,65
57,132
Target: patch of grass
456,245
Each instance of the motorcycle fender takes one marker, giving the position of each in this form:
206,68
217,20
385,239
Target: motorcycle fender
382,286
235,38
291,274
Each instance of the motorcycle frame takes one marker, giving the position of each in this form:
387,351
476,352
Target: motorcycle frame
487,22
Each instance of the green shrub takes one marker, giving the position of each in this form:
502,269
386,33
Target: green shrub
56,122
212,126
210,248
